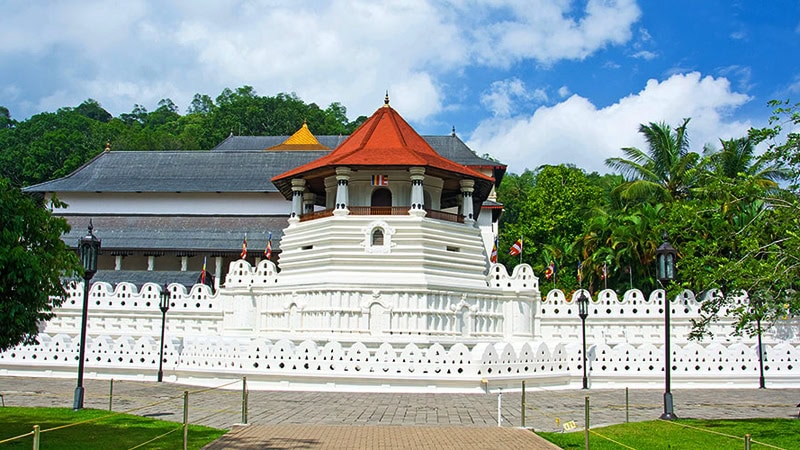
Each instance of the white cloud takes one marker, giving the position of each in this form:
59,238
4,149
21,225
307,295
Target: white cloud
645,54
350,51
503,96
563,91
575,131
549,31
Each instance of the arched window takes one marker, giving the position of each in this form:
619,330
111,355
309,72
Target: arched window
377,237
381,197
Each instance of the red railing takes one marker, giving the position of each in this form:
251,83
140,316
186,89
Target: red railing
385,211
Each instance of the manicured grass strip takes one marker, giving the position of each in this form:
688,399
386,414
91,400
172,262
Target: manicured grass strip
109,431
694,434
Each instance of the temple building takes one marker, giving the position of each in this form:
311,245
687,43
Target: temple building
164,216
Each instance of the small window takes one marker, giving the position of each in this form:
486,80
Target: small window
453,249
306,247
377,237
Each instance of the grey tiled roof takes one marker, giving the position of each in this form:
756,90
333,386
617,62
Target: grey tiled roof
450,146
179,171
238,164
221,234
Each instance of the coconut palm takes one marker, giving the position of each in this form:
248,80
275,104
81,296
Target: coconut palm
737,159
665,172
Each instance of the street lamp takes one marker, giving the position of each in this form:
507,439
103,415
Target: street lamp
665,271
583,313
164,307
89,248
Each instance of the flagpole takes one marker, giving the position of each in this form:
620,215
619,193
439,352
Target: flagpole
630,275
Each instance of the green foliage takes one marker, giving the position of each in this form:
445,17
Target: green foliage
548,209
33,262
729,215
705,434
51,145
665,171
101,430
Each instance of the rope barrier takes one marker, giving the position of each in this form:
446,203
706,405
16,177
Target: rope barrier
30,433
214,387
718,433
157,437
609,439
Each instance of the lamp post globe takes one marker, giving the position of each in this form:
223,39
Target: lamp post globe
166,296
89,249
583,313
665,272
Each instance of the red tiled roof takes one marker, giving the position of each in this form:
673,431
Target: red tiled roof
385,139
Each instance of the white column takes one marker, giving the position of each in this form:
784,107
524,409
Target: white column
118,262
417,191
184,263
342,192
308,202
467,187
298,186
217,271
151,263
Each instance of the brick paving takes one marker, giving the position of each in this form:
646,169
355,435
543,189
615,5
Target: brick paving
336,420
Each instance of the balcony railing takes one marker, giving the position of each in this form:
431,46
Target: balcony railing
385,211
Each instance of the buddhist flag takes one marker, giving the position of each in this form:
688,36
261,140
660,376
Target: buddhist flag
550,271
203,274
580,275
268,250
380,180
244,248
516,249
604,274
493,257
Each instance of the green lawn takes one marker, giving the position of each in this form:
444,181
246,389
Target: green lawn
781,433
110,431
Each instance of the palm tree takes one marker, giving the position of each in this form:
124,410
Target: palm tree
665,172
737,160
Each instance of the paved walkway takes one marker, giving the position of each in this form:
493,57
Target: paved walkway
324,420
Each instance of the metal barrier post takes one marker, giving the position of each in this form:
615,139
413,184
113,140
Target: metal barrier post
627,407
586,421
185,419
523,403
499,406
36,437
110,393
244,400
747,441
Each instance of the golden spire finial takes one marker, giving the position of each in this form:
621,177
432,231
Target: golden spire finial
386,100
108,146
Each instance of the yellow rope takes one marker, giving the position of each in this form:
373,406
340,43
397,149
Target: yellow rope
30,433
609,439
157,437
718,433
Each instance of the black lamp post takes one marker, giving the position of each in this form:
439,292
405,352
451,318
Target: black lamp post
583,313
665,271
89,248
164,307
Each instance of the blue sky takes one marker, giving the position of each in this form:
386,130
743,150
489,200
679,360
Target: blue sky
530,82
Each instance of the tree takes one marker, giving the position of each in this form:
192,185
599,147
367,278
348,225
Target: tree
91,108
665,172
5,118
785,114
33,262
737,159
